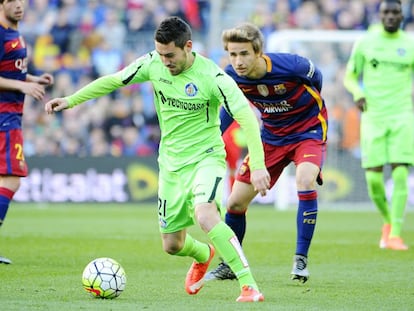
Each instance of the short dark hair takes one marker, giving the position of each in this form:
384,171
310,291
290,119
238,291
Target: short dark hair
173,29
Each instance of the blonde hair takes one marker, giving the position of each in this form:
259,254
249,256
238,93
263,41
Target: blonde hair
246,32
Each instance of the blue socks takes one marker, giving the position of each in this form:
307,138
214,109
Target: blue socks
237,222
5,197
306,220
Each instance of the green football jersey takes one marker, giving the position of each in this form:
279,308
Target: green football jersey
385,64
187,107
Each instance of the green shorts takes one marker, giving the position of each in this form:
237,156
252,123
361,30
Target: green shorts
181,190
387,140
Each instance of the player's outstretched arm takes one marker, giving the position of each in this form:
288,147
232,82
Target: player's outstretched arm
55,105
97,88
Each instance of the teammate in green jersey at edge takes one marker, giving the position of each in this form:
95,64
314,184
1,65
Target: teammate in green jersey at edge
189,90
379,75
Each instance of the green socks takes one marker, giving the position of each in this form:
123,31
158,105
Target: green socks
376,191
232,253
195,249
399,199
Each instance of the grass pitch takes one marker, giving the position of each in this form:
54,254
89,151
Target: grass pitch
51,244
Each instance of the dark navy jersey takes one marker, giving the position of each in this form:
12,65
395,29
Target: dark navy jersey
13,65
288,99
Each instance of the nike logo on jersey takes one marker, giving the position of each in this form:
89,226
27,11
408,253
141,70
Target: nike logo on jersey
308,155
14,44
246,90
309,213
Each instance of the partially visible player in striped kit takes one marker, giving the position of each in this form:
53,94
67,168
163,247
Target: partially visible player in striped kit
383,59
15,83
285,89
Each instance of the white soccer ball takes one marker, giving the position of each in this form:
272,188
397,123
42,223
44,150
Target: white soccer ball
104,278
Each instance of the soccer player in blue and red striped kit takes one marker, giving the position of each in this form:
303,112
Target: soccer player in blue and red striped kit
15,83
286,90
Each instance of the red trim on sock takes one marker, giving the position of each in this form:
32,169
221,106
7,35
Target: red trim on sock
308,195
236,212
6,193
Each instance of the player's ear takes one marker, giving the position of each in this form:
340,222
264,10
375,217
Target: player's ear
188,45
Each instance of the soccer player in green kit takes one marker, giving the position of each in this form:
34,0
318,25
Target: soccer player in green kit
189,90
383,60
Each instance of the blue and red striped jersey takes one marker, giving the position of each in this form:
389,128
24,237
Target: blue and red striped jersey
13,65
288,98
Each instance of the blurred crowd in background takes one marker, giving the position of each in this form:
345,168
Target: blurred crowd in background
80,40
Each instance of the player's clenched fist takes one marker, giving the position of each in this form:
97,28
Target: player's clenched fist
56,104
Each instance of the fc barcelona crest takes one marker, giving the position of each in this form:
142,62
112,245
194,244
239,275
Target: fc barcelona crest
280,89
243,169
